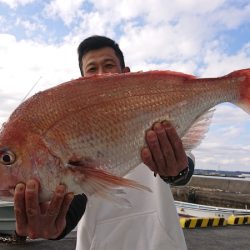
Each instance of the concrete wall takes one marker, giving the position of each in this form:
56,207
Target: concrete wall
232,185
215,191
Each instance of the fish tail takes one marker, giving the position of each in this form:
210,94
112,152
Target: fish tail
244,77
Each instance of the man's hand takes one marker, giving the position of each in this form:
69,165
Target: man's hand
45,220
165,154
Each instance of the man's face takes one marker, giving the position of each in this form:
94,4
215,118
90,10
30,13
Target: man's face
101,61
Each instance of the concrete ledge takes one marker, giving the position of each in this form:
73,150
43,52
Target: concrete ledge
202,222
232,185
215,191
238,220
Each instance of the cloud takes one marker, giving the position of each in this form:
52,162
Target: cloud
15,3
219,63
30,26
228,113
65,10
232,17
226,145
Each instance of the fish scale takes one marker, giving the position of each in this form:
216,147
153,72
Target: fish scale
154,103
88,133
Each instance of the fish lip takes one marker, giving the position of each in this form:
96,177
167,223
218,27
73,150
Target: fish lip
7,192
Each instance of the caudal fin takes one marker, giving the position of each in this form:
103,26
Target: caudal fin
244,77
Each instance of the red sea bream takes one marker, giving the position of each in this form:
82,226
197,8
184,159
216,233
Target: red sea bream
88,133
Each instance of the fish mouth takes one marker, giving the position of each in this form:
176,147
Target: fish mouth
7,193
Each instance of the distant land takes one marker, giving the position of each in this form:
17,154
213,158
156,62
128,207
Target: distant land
235,174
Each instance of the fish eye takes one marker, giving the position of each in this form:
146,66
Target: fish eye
7,157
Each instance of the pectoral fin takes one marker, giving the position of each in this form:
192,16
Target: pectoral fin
93,180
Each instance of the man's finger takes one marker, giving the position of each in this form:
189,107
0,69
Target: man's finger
20,211
61,218
177,146
32,208
154,146
167,151
148,159
55,205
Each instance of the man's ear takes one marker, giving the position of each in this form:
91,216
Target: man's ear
126,70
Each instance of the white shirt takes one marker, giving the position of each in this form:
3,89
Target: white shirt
151,223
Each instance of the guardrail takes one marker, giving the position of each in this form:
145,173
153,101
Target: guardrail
202,222
238,220
194,222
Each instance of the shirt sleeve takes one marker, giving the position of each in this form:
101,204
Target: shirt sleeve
74,214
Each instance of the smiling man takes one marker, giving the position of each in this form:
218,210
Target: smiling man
101,61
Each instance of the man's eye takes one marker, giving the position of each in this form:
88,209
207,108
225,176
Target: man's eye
109,66
91,69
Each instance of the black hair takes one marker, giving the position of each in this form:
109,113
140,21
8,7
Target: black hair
98,42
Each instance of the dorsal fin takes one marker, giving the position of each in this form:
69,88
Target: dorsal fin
197,131
172,73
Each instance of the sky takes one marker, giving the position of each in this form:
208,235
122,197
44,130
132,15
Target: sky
39,39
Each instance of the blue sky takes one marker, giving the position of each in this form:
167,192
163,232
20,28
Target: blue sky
38,41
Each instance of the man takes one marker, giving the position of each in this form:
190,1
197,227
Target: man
151,222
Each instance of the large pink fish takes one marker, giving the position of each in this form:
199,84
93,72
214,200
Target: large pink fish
88,133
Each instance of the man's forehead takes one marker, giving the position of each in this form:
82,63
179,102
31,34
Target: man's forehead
97,55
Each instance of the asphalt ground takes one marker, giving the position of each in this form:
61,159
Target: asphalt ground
229,237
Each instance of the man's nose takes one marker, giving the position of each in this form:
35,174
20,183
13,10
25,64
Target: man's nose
101,71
